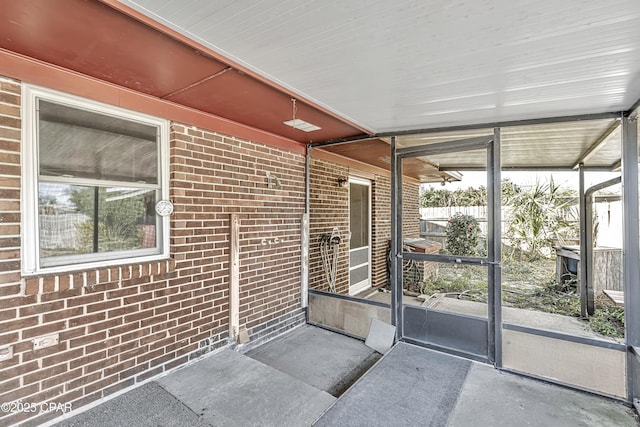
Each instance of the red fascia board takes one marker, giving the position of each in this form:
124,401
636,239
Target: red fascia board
36,72
144,19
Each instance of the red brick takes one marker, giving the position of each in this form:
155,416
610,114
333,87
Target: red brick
72,333
64,282
88,339
43,330
18,370
134,335
66,294
101,345
41,308
103,306
100,364
7,290
162,359
84,380
16,394
8,314
117,368
32,286
48,284
9,338
45,373
62,379
87,319
100,385
104,325
63,314
135,352
152,373
149,355
16,325
122,348
85,299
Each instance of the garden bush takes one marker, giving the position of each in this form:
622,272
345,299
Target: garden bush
463,235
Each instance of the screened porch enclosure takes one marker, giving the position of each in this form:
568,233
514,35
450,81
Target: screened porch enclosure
466,308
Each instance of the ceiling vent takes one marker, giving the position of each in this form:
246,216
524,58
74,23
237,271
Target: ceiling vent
302,125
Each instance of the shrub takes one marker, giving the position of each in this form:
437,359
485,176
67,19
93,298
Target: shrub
541,218
463,235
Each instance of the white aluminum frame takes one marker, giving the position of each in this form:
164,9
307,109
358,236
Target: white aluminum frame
30,250
355,288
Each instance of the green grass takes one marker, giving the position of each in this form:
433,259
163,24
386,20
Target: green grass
608,321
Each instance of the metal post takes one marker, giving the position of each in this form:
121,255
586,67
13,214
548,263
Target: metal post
631,252
96,219
305,229
396,239
586,258
584,262
494,249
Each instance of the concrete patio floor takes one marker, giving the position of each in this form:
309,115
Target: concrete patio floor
294,380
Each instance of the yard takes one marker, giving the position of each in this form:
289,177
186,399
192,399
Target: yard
528,285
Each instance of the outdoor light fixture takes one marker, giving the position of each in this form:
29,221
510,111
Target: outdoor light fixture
273,180
343,182
302,125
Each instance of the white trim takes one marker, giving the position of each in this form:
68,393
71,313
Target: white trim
361,181
355,288
354,267
98,182
30,247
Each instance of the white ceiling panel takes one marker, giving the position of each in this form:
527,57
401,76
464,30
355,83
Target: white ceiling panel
541,146
396,65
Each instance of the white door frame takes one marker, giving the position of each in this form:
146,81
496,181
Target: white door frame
355,288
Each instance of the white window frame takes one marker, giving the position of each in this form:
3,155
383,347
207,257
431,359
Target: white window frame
30,248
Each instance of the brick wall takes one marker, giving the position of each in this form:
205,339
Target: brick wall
329,207
121,325
410,210
213,176
381,229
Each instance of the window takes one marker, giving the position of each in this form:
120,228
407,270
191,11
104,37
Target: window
92,177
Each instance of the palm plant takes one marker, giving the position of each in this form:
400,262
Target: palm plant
541,216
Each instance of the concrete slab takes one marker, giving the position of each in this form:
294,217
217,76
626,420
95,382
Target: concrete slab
410,386
146,406
230,389
323,359
493,398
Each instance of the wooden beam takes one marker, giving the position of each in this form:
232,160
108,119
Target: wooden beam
234,276
355,164
29,70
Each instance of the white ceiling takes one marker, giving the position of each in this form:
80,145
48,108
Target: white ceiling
404,64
